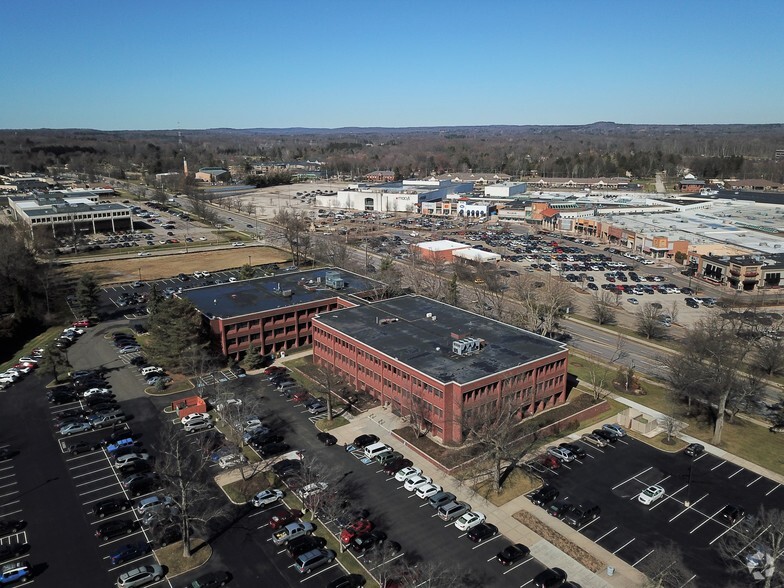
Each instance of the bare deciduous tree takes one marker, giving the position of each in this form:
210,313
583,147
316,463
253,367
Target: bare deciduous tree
768,354
755,548
650,321
292,227
603,307
665,568
600,371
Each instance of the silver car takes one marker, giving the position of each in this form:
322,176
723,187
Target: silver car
561,453
140,576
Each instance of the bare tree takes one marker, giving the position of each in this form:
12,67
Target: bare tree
600,371
650,321
331,250
495,428
540,304
754,548
602,307
768,355
665,568
292,228
419,415
185,476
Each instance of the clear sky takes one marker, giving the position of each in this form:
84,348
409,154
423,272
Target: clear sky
167,64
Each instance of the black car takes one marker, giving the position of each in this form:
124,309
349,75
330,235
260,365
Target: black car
62,397
259,441
82,447
139,361
365,440
8,453
513,553
694,449
286,465
135,467
12,550
304,543
349,581
394,466
210,580
560,508
163,536
327,439
367,541
578,451
273,449
732,514
581,514
116,436
116,528
544,495
482,531
549,578
609,437
144,483
110,506
11,526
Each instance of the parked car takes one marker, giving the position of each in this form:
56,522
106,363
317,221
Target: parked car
469,520
428,490
327,438
306,562
583,513
272,449
231,460
512,554
694,449
544,495
607,436
292,531
166,534
405,473
549,578
732,514
482,531
364,440
453,510
364,542
9,526
441,498
266,497
651,494
17,571
72,428
561,454
349,581
116,528
110,506
614,429
578,451
195,417
394,466
284,516
210,580
594,440
140,576
130,551
413,482
559,508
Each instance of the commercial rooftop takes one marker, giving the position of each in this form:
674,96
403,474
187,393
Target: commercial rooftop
441,245
258,295
420,331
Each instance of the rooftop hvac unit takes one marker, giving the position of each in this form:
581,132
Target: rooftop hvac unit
334,280
466,346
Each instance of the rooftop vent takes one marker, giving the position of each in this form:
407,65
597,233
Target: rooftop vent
334,280
467,346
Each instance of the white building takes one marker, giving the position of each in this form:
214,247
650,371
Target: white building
505,190
395,197
62,213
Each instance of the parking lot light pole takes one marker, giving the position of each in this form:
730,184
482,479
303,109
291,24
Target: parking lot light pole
687,502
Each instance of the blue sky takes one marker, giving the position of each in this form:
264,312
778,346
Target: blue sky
170,64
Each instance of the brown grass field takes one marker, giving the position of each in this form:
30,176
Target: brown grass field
166,266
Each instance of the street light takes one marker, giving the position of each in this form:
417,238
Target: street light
687,502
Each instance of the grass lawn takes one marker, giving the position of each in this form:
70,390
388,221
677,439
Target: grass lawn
175,564
242,491
516,484
325,425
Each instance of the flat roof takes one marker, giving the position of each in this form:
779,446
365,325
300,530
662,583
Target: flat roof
400,328
442,245
236,299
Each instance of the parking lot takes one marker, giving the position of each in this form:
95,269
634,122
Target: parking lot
613,477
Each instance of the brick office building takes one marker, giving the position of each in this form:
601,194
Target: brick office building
414,353
274,313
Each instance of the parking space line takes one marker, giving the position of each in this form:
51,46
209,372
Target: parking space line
95,480
9,504
772,489
9,484
624,545
724,532
634,565
83,465
8,476
9,494
632,478
757,480
481,543
401,554
336,564
735,474
710,518
96,490
123,538
605,535
522,563
718,466
91,501
686,509
13,512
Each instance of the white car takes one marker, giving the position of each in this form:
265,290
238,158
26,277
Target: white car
266,497
95,392
251,423
427,490
195,416
202,238
416,481
469,520
129,458
28,360
406,473
234,459
205,274
229,403
232,279
651,494
197,274
312,489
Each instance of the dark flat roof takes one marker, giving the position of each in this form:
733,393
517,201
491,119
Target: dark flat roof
426,344
236,299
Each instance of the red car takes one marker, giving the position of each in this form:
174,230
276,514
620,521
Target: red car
273,369
301,396
550,461
283,517
358,527
81,323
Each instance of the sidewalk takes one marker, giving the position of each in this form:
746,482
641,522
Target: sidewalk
381,422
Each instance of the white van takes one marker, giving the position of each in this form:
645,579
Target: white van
371,451
151,369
